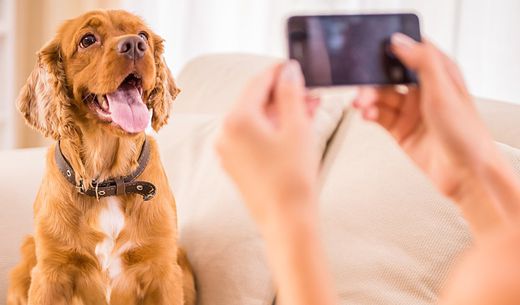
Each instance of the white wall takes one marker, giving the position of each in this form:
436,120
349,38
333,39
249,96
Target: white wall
194,27
482,35
489,47
6,72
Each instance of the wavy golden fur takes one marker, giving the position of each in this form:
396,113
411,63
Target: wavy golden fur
62,263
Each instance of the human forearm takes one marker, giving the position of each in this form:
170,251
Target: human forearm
488,273
297,259
438,126
267,145
490,198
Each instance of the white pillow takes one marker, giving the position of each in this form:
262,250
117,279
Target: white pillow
390,236
221,240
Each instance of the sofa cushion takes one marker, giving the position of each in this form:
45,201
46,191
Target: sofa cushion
390,236
502,120
21,175
221,240
210,83
222,243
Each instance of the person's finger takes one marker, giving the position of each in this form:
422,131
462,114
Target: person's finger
366,97
409,118
430,66
453,71
381,114
390,97
312,103
370,113
387,96
252,106
289,94
270,112
258,90
409,51
418,56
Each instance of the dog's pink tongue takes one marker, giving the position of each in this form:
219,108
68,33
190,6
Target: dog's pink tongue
127,109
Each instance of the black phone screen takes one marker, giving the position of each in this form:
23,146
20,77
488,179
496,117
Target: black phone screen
350,49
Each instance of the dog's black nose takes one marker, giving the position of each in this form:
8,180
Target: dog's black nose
132,47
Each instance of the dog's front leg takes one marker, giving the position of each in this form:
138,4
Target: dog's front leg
53,288
90,288
166,288
58,286
149,285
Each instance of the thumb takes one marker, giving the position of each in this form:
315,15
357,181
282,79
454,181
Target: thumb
417,56
289,94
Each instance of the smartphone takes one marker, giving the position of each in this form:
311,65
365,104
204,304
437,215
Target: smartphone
350,49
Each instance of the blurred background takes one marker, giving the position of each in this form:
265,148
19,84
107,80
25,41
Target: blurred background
481,35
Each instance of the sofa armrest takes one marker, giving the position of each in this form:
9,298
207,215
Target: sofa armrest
20,176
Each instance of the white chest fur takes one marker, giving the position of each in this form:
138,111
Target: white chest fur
111,222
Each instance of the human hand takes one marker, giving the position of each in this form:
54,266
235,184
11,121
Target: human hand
267,144
439,128
436,123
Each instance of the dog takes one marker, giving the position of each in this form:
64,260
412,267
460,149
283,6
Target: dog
105,218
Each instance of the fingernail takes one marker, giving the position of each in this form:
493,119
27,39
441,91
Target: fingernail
291,72
402,40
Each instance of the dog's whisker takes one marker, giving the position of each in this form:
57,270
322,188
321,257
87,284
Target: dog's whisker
85,98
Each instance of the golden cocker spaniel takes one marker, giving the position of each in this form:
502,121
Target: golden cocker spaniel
105,218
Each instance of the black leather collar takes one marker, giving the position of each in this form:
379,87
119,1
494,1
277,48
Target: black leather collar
114,186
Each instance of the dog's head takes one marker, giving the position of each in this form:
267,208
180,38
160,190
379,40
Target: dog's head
103,69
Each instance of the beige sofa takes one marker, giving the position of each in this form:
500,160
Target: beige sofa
390,237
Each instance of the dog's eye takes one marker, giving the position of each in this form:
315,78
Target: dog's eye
144,36
87,40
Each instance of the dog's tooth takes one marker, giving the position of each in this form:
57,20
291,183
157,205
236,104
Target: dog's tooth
103,102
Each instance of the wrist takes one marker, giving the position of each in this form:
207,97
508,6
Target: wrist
479,170
297,258
291,213
489,197
292,232
494,175
292,198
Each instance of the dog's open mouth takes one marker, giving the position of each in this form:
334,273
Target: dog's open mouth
124,107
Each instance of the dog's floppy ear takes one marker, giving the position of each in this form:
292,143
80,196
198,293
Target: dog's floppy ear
165,91
43,98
